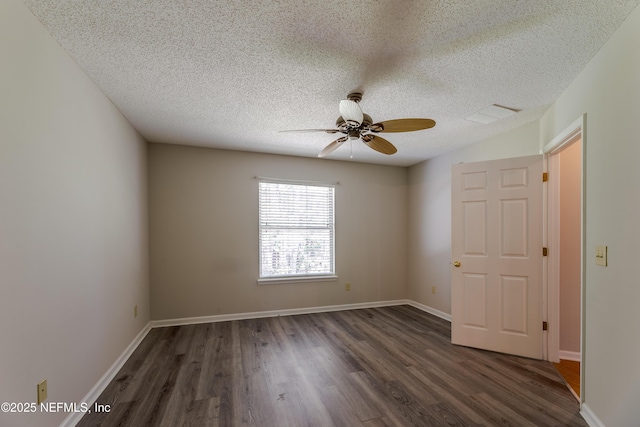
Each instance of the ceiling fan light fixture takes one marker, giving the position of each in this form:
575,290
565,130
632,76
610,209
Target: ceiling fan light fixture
351,112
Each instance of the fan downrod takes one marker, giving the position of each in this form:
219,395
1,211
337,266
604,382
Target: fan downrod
355,96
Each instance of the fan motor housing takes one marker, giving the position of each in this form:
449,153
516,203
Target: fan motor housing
343,125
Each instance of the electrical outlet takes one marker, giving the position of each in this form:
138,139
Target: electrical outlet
601,255
347,286
433,289
135,311
42,391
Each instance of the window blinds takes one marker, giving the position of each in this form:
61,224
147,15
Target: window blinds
296,229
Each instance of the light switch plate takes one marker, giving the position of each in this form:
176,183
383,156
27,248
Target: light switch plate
601,255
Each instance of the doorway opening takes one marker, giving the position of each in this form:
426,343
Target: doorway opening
565,264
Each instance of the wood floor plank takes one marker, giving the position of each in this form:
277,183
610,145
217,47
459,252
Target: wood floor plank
342,414
388,366
305,379
359,405
376,393
454,397
199,413
153,404
288,407
379,422
502,414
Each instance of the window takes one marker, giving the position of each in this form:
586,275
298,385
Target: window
296,231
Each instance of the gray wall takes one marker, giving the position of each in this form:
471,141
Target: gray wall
608,91
73,223
204,232
429,261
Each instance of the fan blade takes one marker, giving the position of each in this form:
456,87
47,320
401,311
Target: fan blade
351,111
312,130
333,146
402,125
379,144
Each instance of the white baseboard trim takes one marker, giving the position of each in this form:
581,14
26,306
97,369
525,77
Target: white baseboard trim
103,382
272,313
590,417
569,355
430,310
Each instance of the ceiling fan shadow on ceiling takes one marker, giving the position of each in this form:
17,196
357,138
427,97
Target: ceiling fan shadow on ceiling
354,124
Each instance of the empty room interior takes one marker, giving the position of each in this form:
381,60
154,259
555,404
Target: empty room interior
146,148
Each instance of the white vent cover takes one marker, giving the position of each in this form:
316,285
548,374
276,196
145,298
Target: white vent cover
491,113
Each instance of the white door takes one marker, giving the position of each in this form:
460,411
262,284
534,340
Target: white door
496,278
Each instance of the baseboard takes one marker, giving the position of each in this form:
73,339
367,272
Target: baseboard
590,417
430,310
103,382
272,313
569,355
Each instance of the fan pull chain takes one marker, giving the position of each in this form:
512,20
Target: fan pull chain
351,147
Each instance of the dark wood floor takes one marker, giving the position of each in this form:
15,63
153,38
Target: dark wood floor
392,366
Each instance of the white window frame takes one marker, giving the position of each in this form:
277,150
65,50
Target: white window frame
289,278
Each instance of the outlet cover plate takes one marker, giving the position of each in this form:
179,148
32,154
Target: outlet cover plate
42,391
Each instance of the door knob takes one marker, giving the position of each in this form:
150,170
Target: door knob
456,263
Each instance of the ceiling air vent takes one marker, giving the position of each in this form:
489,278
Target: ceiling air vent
491,114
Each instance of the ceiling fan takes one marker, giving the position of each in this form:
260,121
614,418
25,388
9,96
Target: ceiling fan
354,124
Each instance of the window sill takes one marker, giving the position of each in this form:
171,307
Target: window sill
296,279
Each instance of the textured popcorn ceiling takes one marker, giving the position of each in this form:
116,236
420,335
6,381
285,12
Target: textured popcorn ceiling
231,74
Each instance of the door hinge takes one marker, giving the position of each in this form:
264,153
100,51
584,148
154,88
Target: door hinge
545,251
545,326
545,176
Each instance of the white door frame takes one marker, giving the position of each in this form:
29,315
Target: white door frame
572,133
